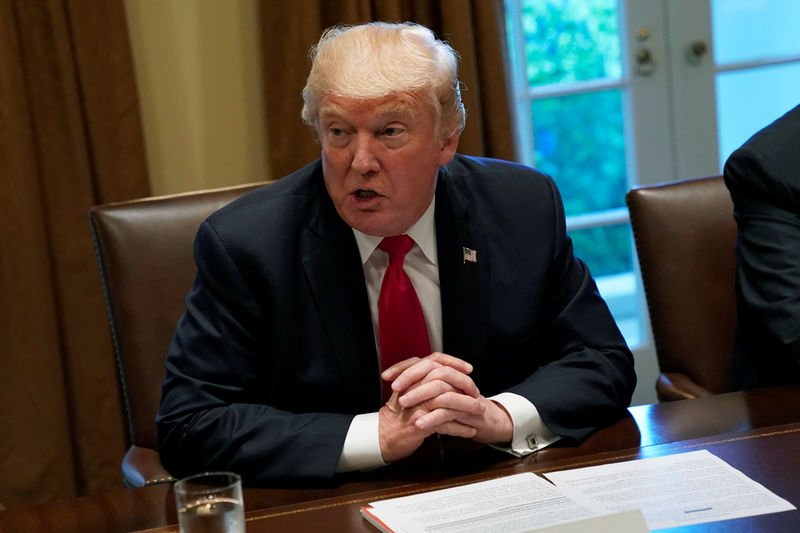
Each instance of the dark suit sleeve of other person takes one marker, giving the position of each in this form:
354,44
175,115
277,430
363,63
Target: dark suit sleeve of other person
763,177
274,354
530,318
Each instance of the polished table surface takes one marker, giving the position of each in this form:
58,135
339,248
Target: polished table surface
757,432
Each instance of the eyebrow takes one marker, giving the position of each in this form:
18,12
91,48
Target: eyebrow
396,107
387,109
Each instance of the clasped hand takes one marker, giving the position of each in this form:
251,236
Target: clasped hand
436,395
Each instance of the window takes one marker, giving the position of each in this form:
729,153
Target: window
614,93
571,101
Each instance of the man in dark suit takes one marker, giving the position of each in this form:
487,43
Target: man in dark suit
275,369
763,177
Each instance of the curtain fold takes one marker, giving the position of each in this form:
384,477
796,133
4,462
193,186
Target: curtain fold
69,138
475,28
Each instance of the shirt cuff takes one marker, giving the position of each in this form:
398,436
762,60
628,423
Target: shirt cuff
530,433
362,449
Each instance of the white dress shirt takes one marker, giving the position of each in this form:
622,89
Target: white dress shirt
361,446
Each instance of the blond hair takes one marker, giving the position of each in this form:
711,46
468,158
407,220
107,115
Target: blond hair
379,59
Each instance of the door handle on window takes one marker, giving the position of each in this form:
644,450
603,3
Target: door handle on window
644,62
695,52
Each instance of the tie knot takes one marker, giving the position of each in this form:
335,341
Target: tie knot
397,247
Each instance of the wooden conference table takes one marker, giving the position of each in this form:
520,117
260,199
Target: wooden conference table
757,432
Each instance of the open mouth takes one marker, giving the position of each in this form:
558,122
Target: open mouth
362,193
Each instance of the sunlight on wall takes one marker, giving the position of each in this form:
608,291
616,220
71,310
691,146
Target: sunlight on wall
198,70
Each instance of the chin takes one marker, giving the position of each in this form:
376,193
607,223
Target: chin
376,223
376,230
364,224
369,230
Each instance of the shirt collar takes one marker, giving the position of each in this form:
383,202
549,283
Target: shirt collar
423,232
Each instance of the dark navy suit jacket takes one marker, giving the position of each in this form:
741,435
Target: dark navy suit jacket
275,353
763,177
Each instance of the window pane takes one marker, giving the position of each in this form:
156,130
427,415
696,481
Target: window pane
576,133
752,29
570,40
608,251
748,100
580,142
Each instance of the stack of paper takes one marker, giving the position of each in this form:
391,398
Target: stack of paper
668,491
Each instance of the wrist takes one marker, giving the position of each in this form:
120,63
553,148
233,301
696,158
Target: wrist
504,424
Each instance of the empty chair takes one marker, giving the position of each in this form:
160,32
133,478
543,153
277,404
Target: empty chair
685,237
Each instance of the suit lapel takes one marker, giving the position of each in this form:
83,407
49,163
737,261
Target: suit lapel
463,283
333,268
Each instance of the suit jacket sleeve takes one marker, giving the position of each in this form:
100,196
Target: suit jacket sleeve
764,180
244,390
527,313
587,377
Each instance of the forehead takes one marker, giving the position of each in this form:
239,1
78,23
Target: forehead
391,106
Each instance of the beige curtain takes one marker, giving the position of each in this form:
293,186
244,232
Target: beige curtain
69,138
475,28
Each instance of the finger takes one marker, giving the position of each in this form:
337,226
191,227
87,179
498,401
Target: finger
437,417
397,435
456,429
423,391
437,382
437,357
393,403
458,380
490,420
470,412
412,374
460,405
451,361
396,369
429,369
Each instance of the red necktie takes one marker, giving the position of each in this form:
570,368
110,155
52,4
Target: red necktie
401,325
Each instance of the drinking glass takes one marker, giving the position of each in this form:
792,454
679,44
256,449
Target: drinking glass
210,502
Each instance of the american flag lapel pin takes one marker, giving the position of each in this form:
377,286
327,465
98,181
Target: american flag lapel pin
470,255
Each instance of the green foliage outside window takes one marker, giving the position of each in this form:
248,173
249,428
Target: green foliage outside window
580,142
605,249
579,139
570,40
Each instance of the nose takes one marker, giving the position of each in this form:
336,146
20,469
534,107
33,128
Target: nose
365,159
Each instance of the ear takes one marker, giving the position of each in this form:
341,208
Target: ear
448,149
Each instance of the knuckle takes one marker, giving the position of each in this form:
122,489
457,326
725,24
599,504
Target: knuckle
450,396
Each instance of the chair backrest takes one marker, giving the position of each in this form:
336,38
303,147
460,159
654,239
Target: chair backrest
685,237
144,252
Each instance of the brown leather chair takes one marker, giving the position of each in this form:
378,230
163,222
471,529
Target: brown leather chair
144,252
685,238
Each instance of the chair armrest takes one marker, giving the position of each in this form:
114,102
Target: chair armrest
672,386
142,466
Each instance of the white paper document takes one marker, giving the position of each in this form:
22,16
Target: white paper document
512,504
672,490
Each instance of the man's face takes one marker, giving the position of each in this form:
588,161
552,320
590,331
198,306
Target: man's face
380,159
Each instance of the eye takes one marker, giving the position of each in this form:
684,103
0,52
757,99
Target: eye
392,131
336,132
